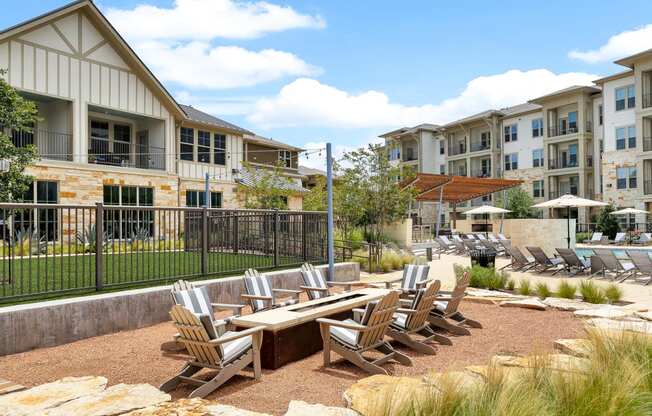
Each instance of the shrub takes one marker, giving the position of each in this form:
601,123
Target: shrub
580,237
592,293
566,290
459,270
406,259
511,285
543,290
613,293
524,288
483,277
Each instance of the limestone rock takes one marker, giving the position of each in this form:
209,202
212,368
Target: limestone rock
640,326
527,303
36,400
575,347
225,410
299,408
557,362
569,304
385,394
604,311
492,297
644,315
183,407
462,380
115,400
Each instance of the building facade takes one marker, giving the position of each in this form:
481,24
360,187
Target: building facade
109,131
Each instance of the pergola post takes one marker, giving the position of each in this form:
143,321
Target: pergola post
454,219
439,209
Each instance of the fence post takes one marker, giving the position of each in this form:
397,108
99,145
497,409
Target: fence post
304,239
275,238
204,241
236,236
99,245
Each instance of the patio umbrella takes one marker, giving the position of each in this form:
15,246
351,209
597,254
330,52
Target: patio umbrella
486,209
569,201
628,211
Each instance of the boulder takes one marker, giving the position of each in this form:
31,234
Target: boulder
639,326
604,311
647,316
557,362
37,400
575,347
299,408
192,407
225,410
462,380
382,394
527,303
115,400
569,304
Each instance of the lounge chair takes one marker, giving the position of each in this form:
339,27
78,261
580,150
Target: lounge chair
316,286
472,245
446,245
411,319
643,263
597,238
498,248
620,238
607,262
415,277
445,314
457,238
260,294
470,237
644,238
351,338
481,237
502,236
519,261
543,262
574,264
228,353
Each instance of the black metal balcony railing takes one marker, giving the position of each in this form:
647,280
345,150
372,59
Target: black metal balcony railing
647,144
647,187
481,173
557,194
561,131
457,149
477,147
125,154
589,161
647,100
562,163
50,144
589,127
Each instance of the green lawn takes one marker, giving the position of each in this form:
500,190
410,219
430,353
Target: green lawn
42,275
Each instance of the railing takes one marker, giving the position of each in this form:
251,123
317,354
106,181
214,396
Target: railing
50,250
557,194
561,163
353,251
51,145
457,149
647,100
479,146
561,131
647,187
647,144
589,161
481,173
125,154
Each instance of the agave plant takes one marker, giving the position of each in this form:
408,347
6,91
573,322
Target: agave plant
88,238
30,242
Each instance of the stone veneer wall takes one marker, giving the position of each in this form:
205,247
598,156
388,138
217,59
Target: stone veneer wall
610,162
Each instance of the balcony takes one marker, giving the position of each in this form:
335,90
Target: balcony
647,100
480,146
557,194
51,145
557,131
562,163
589,161
481,173
647,144
457,149
647,187
125,154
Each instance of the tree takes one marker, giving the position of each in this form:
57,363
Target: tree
17,114
519,202
316,198
369,189
268,188
607,222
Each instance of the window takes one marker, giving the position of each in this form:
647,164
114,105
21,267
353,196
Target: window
442,147
537,127
485,139
121,137
219,149
187,144
537,189
626,178
572,122
625,98
127,223
285,156
537,158
99,138
511,161
203,146
197,199
625,137
442,169
600,114
43,221
511,133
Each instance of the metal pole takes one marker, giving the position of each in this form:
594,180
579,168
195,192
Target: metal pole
568,226
439,209
207,194
331,230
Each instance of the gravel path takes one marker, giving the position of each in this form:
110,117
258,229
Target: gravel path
135,357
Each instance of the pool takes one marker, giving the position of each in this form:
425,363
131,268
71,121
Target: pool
618,251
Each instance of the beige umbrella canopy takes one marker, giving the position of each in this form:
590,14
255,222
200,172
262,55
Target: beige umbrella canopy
486,209
626,211
569,201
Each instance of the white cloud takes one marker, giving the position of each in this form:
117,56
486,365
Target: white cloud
618,46
209,19
315,155
307,102
198,65
220,106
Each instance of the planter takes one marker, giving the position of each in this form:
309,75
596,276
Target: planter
484,258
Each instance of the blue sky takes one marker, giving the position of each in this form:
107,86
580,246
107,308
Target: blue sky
345,71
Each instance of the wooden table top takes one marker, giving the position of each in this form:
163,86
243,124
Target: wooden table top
288,316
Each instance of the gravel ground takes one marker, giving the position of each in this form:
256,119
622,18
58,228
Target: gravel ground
135,357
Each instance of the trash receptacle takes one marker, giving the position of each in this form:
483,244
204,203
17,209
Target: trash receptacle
484,258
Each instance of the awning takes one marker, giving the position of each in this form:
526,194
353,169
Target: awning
256,176
457,189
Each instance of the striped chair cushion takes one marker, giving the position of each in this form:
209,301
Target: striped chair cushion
412,274
258,285
313,278
196,300
402,320
233,349
351,337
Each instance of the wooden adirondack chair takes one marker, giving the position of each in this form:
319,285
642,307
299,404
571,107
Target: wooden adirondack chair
351,339
446,316
316,286
414,320
228,353
260,294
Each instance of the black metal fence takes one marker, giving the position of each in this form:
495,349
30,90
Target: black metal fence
56,249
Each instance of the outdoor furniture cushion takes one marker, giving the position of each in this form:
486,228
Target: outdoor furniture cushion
351,336
413,274
314,278
234,349
401,319
195,299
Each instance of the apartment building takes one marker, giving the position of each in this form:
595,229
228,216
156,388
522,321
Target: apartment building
110,132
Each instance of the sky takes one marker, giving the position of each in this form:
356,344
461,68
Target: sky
309,72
